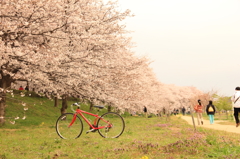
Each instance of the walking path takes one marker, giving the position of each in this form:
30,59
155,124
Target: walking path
206,124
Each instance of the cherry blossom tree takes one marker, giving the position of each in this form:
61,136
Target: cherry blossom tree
46,42
78,48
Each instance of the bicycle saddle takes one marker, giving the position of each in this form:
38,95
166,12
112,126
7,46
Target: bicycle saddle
98,106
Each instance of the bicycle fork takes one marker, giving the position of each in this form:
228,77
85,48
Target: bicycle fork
73,120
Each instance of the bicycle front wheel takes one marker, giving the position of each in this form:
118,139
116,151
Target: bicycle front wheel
63,128
113,125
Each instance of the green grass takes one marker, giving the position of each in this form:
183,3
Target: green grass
144,138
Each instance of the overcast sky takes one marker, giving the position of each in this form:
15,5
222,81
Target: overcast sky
191,42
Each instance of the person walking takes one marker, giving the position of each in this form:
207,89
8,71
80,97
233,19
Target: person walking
236,105
210,109
199,110
183,110
145,111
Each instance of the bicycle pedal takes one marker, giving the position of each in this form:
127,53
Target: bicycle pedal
91,130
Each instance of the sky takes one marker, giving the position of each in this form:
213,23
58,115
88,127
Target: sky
191,42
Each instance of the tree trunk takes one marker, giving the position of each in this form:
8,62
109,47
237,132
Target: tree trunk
109,108
64,104
55,102
2,107
5,83
91,106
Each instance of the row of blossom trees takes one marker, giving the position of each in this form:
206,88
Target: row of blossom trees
78,48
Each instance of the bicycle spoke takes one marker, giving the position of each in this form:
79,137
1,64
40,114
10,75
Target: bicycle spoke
113,125
66,131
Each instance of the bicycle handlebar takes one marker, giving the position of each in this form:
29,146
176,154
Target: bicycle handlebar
78,105
75,104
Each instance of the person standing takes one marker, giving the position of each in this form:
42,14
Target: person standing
236,104
27,88
210,109
183,110
199,110
145,111
188,110
174,111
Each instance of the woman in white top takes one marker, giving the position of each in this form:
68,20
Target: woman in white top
236,104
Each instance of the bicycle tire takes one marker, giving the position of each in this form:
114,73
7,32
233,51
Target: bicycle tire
63,129
118,125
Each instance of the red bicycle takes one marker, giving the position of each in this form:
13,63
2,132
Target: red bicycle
70,125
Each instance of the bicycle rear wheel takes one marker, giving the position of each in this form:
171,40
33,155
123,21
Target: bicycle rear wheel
63,129
113,123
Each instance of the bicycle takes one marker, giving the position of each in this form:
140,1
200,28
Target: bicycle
70,125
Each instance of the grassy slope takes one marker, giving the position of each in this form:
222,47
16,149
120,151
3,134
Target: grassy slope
35,137
40,110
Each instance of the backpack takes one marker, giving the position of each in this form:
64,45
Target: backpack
210,109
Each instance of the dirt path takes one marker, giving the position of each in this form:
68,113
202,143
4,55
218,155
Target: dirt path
206,124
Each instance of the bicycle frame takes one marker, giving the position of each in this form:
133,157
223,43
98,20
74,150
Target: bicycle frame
97,117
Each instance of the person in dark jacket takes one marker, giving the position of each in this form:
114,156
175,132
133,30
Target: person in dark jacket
210,109
183,110
27,88
145,111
